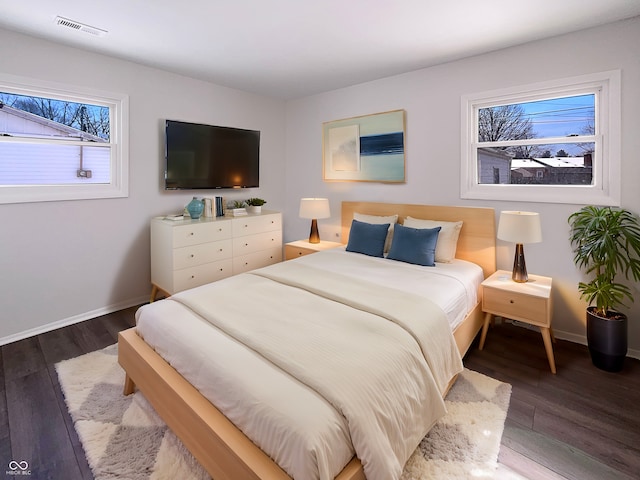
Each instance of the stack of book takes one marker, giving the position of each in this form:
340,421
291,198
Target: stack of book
220,207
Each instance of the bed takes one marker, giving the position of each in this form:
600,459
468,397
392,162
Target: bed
221,447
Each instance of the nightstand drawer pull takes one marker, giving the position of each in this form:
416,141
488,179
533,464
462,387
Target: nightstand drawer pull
511,301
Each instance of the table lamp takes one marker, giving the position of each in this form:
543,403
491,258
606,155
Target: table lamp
314,208
520,228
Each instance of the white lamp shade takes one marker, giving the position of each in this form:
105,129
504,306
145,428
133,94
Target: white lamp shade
314,208
520,227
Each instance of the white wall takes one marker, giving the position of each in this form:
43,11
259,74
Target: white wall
431,99
62,262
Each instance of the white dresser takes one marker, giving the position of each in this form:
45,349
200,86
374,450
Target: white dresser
189,253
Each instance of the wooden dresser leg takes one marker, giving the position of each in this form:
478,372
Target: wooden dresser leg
485,327
548,346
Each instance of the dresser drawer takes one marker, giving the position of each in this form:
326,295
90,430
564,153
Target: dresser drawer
194,255
194,234
195,276
516,306
258,224
255,243
189,253
255,260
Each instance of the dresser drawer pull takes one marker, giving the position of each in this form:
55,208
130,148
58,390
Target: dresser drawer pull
191,234
192,255
511,301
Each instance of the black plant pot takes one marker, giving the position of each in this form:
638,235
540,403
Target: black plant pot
607,339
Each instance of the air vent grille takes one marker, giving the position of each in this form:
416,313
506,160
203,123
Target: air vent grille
80,27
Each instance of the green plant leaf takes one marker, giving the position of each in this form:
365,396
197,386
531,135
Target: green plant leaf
606,244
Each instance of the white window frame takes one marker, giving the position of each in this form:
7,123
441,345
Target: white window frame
605,188
119,132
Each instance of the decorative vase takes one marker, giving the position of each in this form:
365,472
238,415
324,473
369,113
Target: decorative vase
195,208
607,340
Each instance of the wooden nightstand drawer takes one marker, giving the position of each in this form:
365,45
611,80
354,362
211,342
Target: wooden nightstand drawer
516,306
291,252
300,248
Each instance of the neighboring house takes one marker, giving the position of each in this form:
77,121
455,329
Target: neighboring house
553,170
494,166
24,162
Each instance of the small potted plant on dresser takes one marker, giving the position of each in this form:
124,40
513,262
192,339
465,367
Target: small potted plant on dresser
254,205
606,245
238,208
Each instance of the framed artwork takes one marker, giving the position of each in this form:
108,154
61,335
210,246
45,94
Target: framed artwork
369,148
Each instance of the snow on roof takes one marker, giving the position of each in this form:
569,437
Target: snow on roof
540,162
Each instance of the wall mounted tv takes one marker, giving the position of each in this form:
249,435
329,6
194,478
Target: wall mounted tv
209,157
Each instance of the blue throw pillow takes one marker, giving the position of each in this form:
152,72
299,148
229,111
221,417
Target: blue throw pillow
367,238
414,245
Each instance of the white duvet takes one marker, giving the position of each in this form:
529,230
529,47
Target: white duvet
311,407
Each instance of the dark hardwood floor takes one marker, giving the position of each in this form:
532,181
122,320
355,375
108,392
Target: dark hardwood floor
35,425
580,424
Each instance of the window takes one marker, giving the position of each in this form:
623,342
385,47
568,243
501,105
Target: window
554,142
61,143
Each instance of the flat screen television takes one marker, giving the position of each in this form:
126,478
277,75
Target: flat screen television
210,157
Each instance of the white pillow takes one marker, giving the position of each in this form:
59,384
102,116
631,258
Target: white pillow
447,239
376,219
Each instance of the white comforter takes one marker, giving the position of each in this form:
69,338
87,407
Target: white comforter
287,330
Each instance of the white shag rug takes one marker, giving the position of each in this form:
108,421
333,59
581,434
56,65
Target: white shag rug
123,437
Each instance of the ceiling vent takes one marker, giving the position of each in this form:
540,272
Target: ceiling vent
80,27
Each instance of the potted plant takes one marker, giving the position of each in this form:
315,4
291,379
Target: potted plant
238,208
255,205
606,245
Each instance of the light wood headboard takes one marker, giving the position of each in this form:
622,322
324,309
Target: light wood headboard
477,241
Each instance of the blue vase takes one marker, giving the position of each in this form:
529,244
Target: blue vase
195,208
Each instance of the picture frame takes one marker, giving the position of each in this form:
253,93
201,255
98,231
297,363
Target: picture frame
368,148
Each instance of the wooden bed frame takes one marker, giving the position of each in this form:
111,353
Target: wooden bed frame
221,448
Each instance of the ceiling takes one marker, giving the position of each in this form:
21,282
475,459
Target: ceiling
293,48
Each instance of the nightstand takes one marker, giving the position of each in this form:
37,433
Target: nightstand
528,302
300,248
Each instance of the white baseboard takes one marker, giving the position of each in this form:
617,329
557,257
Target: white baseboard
75,319
572,337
